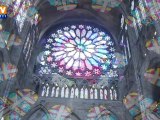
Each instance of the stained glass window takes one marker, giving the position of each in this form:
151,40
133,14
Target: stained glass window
77,51
20,12
23,10
27,50
29,44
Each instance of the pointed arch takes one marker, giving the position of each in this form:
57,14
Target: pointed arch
67,92
37,109
86,93
21,102
82,93
72,95
62,92
76,92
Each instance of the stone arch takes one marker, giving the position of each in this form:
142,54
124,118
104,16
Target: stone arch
38,112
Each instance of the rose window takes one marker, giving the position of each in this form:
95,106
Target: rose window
77,51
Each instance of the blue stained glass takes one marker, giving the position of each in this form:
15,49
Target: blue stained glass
25,106
59,40
134,110
93,62
95,35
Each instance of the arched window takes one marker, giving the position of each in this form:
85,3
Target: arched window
53,91
91,93
72,92
57,92
62,92
86,93
67,92
82,93
101,94
76,93
29,44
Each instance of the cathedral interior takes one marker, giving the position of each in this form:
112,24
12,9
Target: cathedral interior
80,60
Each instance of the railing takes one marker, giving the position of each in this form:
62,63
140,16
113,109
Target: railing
48,90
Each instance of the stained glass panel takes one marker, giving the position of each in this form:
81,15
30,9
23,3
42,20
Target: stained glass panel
77,51
100,113
138,105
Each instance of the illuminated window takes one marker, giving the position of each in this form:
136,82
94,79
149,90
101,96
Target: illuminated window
77,51
29,45
23,11
20,12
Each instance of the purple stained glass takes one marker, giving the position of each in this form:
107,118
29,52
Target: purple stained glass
77,51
